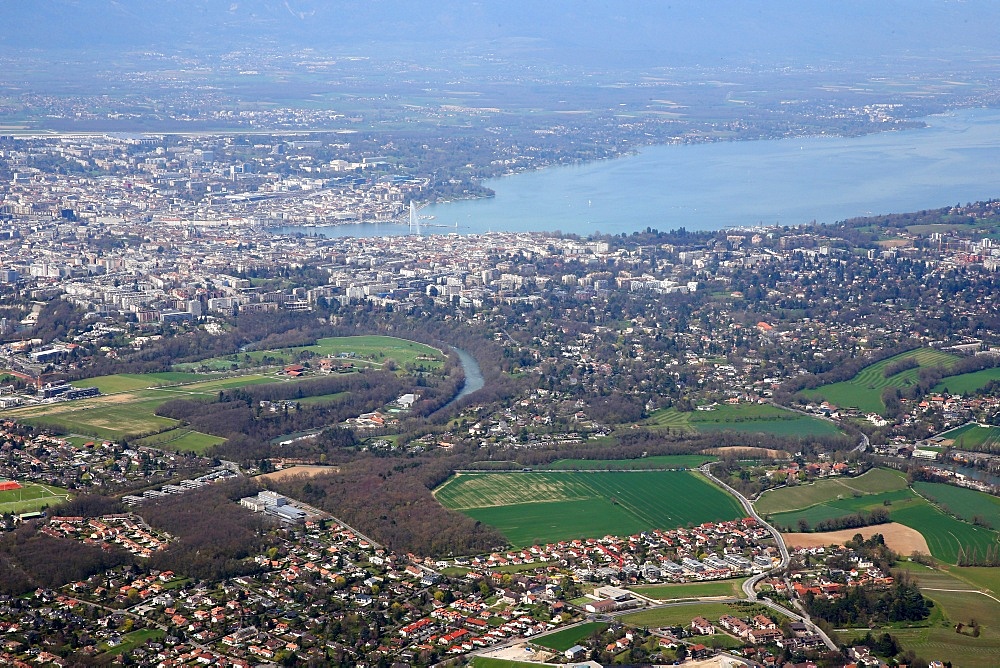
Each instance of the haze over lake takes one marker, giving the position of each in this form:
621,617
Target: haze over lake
712,186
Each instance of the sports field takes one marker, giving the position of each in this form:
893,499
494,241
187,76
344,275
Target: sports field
875,481
181,439
864,391
538,508
489,662
967,383
748,418
974,437
359,350
128,413
727,588
561,641
681,615
31,497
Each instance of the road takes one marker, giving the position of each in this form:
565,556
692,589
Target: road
750,585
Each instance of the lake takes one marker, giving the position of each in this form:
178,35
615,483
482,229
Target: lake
724,184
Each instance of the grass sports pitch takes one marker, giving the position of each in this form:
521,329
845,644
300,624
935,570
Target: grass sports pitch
31,497
530,508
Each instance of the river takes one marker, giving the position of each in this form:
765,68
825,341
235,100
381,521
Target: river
956,158
473,376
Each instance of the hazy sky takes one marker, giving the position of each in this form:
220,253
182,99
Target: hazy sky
704,32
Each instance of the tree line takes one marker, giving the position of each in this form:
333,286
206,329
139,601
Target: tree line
857,520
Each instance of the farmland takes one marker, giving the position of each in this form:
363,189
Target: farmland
358,350
31,497
967,504
537,507
956,601
748,418
967,383
974,437
945,535
797,497
864,391
129,413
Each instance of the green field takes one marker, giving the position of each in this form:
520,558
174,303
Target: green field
655,462
797,497
361,350
748,418
944,534
964,503
864,391
727,588
31,497
487,662
974,437
681,615
129,642
955,601
530,508
563,640
322,399
126,414
967,383
181,440
126,382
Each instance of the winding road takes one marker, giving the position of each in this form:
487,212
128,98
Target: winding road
749,586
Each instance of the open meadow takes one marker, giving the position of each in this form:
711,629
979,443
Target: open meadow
747,418
537,508
129,413
368,350
967,383
967,504
956,601
796,497
127,382
864,391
